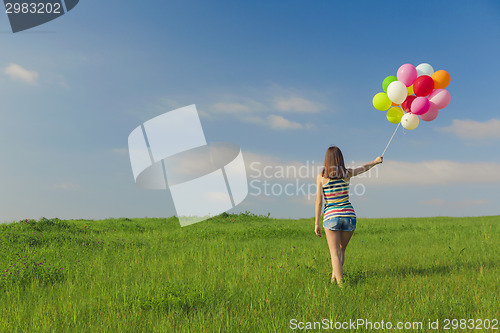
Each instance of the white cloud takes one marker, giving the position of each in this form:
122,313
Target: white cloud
276,122
67,186
437,172
392,173
254,120
455,204
280,122
19,73
297,104
239,106
204,114
165,104
262,159
275,102
262,108
475,130
271,100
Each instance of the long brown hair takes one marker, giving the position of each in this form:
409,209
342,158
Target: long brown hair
334,167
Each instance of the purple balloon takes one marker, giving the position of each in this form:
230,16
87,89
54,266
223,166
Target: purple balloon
430,115
439,98
420,105
407,73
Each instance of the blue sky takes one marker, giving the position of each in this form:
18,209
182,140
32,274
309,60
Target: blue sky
282,79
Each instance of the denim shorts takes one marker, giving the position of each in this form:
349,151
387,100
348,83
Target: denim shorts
340,223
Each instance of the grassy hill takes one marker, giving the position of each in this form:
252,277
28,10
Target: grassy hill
245,273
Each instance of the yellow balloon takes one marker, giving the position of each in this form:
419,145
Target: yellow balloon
410,90
381,102
394,115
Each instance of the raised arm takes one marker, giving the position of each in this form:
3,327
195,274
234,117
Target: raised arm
366,167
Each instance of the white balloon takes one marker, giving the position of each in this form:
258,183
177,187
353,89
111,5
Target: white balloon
425,69
410,121
397,92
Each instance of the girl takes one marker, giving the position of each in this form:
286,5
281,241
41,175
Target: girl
339,219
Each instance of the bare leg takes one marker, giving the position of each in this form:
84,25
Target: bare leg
334,240
330,247
345,237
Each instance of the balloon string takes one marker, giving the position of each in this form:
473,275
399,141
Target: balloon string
390,139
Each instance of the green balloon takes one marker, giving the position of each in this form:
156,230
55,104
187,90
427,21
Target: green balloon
387,81
394,115
381,102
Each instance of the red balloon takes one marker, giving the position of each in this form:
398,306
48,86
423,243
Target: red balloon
407,103
423,85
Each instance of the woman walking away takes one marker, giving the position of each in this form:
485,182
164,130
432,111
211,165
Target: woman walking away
339,218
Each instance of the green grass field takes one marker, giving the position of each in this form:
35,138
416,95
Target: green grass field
246,273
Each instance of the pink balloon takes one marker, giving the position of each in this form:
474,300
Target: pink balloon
420,105
430,115
440,98
407,74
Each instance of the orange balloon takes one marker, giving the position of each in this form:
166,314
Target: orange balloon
441,79
394,104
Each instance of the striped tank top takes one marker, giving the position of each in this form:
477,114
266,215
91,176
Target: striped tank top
336,194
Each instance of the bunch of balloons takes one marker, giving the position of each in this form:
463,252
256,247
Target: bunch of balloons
415,93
